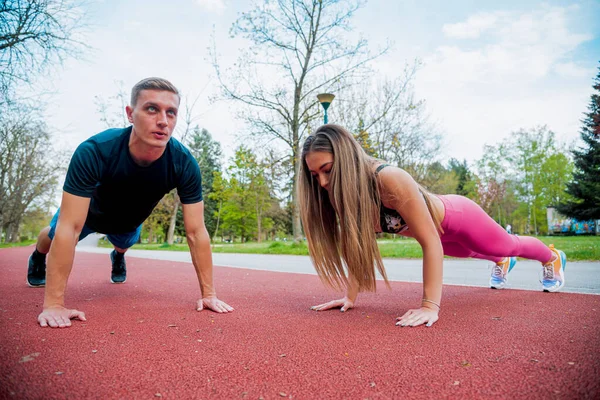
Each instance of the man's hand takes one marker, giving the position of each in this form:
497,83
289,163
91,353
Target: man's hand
343,304
212,303
59,317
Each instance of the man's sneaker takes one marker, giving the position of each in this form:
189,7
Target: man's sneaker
119,272
500,272
36,272
554,272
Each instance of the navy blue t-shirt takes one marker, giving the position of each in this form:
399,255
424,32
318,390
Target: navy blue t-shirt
123,194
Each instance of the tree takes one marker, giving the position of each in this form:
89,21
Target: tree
585,186
189,119
364,139
219,195
156,226
207,152
34,220
440,180
239,216
463,175
112,111
528,152
297,46
494,185
398,127
29,167
35,35
521,176
249,198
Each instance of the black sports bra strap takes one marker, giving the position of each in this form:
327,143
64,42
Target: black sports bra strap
382,166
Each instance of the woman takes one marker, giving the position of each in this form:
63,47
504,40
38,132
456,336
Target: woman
347,196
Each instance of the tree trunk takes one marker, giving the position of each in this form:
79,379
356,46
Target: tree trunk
218,220
12,232
173,222
528,225
296,223
259,228
258,223
535,227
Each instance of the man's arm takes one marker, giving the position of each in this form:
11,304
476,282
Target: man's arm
199,243
73,212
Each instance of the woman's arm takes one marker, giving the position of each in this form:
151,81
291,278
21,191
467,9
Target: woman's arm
400,192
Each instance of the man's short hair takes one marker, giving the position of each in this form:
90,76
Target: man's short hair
152,84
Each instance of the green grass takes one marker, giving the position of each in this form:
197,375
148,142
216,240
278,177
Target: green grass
577,248
18,244
246,248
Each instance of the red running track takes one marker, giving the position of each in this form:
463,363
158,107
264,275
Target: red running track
144,339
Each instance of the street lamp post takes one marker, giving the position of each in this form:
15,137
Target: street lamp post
325,99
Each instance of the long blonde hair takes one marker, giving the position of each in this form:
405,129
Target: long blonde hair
340,226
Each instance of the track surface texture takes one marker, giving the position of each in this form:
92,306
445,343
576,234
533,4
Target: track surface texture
145,340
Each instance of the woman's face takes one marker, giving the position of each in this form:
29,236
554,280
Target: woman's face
320,163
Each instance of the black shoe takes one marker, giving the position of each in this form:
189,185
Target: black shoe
119,272
36,272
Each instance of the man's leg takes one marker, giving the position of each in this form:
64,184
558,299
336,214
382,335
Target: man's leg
36,271
121,243
36,266
43,241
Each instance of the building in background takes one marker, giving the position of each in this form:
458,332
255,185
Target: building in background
558,224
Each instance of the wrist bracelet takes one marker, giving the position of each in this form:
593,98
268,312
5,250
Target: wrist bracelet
432,302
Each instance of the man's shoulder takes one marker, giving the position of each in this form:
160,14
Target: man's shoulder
179,151
104,144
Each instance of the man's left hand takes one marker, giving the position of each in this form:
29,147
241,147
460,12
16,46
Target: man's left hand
212,303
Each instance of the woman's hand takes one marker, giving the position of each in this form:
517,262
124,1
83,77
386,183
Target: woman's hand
212,303
344,304
419,316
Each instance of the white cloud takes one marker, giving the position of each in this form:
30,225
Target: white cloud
519,73
521,47
132,25
212,5
572,70
473,27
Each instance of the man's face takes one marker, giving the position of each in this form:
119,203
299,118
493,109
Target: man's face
154,116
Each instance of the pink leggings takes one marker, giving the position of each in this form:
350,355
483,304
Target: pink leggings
470,232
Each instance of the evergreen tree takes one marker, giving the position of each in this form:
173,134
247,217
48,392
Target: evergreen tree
585,187
461,170
207,152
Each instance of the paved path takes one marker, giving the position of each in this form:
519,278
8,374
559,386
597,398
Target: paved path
582,277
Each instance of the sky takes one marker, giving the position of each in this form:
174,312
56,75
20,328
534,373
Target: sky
489,68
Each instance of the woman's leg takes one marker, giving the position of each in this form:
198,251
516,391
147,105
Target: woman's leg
479,233
455,249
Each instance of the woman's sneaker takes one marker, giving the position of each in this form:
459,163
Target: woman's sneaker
500,272
36,270
554,272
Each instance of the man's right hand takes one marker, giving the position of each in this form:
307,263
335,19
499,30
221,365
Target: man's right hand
59,317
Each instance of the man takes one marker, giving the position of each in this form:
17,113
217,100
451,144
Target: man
114,181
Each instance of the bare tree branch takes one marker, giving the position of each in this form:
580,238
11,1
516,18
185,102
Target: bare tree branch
35,35
298,45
